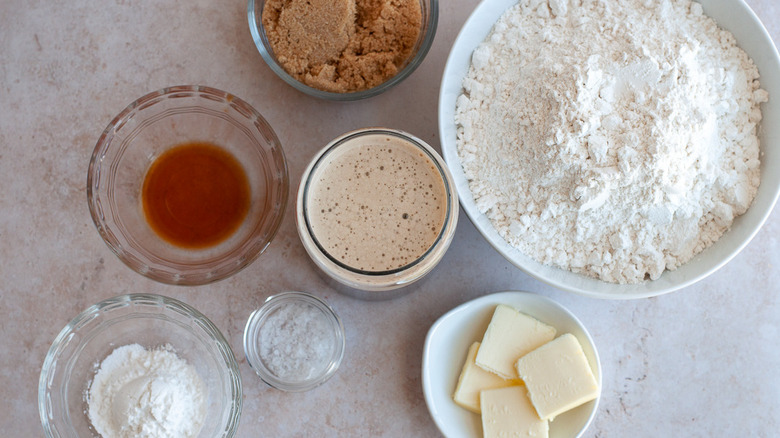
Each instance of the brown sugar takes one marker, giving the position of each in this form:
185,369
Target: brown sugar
342,45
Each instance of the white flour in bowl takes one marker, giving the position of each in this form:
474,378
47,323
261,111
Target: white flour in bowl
613,138
142,393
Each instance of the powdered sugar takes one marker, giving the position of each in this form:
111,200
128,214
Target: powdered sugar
612,138
146,394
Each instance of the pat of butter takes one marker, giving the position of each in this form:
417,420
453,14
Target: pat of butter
509,336
474,379
558,376
507,412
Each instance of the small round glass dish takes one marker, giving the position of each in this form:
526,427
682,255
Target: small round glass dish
295,341
152,321
157,123
430,16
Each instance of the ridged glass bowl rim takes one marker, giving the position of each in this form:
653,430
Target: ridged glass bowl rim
173,274
257,318
423,46
152,301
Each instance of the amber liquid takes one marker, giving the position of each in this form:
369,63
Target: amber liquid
195,195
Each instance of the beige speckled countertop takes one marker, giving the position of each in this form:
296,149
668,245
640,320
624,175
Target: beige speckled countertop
699,362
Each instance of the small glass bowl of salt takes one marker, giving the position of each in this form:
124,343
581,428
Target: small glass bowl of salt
294,341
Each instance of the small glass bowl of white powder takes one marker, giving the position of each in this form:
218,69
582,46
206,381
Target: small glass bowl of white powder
294,341
121,363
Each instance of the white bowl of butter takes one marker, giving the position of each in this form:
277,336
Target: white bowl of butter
447,345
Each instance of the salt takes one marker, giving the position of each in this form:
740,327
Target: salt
296,341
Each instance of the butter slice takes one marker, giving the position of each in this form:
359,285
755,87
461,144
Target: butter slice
474,379
509,336
558,376
507,412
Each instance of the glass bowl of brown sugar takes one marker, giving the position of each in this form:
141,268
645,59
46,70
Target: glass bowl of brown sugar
343,50
188,185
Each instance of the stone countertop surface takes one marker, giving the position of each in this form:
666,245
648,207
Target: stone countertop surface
702,361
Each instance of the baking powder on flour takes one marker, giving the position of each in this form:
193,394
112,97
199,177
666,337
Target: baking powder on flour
144,393
613,138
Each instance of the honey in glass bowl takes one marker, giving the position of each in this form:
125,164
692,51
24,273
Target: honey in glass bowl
187,185
195,195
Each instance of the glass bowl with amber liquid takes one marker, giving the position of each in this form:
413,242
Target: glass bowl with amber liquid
188,185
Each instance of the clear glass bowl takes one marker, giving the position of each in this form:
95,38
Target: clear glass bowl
151,321
430,17
374,285
303,326
150,126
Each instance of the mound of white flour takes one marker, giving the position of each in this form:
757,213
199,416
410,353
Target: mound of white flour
140,393
614,138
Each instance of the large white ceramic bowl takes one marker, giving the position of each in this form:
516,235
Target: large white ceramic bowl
732,15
